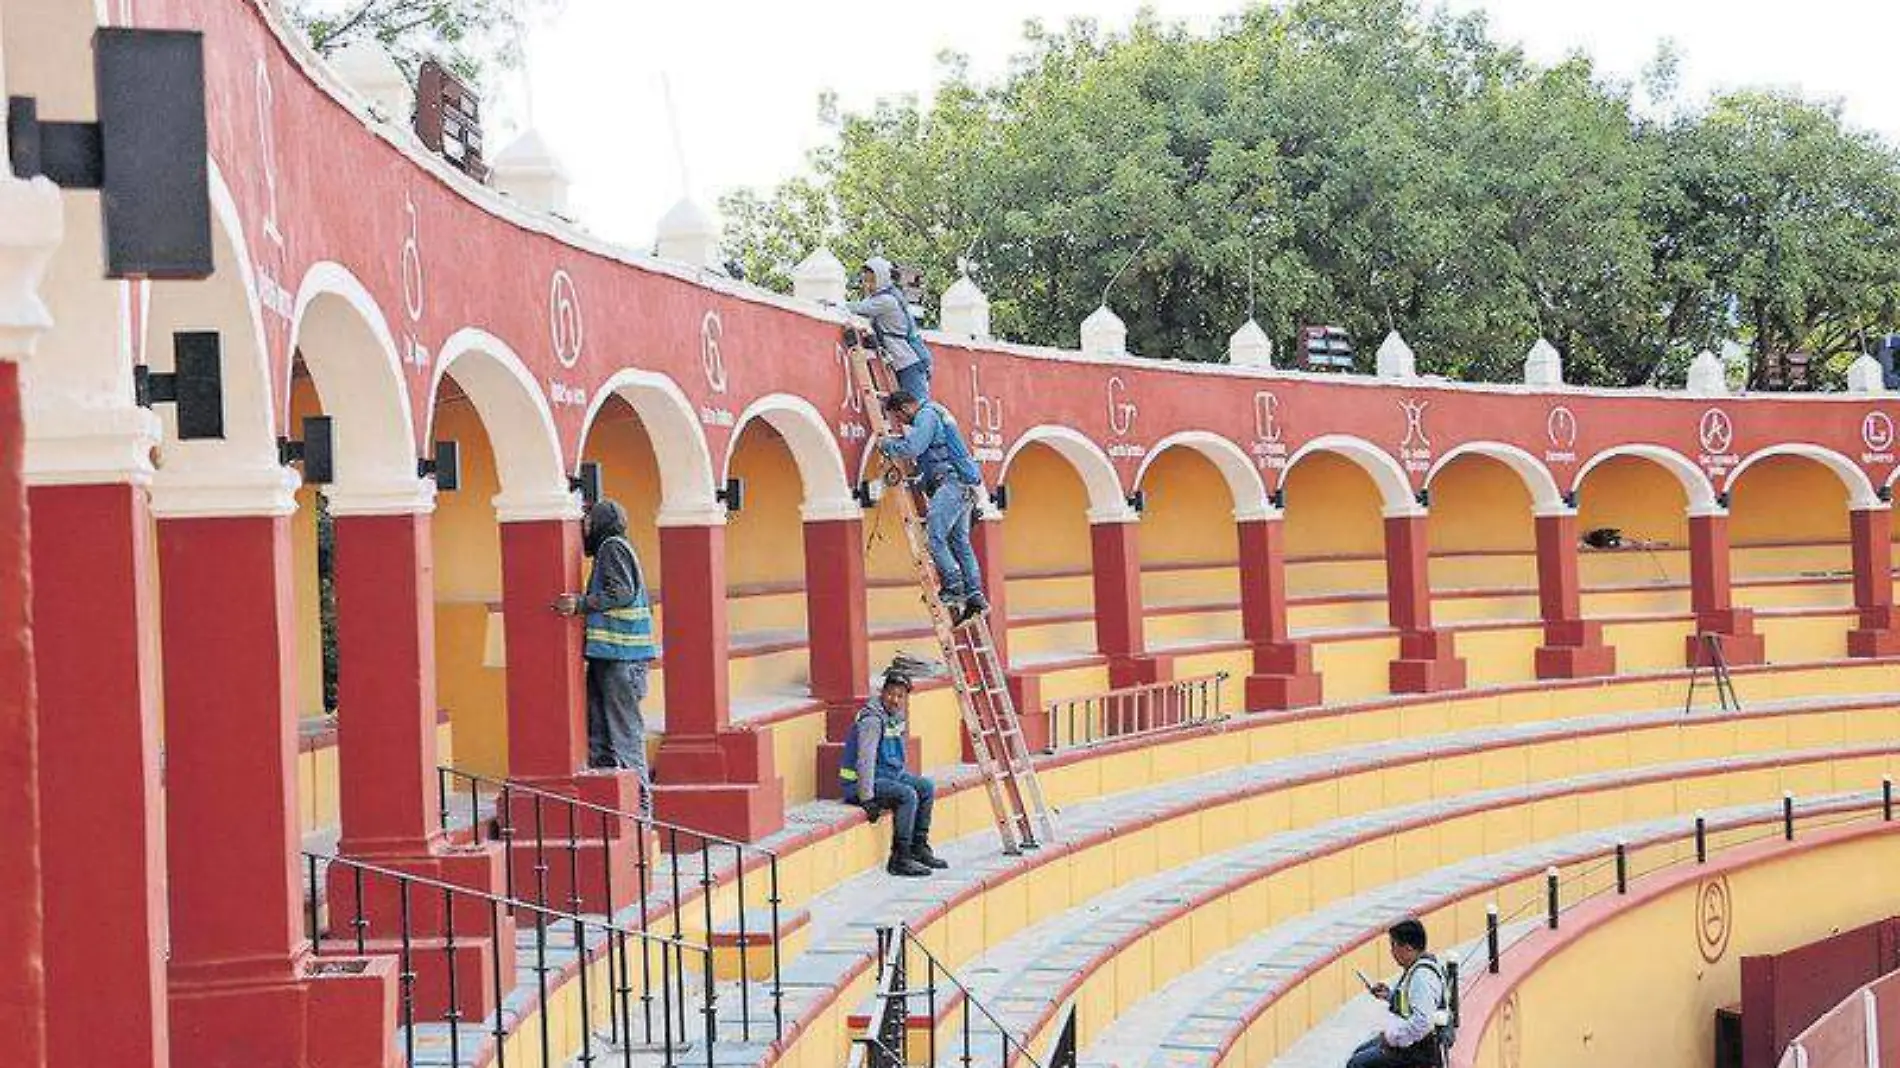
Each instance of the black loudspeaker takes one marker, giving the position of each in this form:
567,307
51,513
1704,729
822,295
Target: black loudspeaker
1138,500
1888,353
317,450
586,483
445,467
733,496
196,386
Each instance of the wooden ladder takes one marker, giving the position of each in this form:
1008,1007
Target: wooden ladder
1023,817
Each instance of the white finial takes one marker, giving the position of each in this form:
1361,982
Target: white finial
1104,334
528,171
686,234
1395,358
820,277
1250,346
1865,375
966,311
371,72
1708,377
1543,366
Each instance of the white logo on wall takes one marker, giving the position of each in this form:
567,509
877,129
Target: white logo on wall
566,326
1121,418
711,330
1415,452
412,303
1269,446
1716,432
1876,432
851,426
1561,428
986,423
267,143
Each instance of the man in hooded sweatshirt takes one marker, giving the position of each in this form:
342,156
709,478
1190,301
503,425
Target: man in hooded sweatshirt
620,645
898,340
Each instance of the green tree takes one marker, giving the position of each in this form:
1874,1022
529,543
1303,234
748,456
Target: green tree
1363,163
474,38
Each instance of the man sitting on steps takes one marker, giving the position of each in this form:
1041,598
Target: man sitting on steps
951,481
873,775
1417,1032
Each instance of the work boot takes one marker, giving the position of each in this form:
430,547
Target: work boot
921,853
901,863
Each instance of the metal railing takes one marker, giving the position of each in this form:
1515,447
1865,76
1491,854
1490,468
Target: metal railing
494,919
886,1040
560,824
1548,904
1154,708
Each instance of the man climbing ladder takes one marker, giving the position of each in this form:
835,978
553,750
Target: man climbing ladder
952,594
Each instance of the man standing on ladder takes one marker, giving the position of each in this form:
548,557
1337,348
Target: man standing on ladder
951,481
898,340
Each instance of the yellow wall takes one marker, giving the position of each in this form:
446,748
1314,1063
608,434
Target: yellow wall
1046,529
1188,517
1333,508
1788,498
765,541
467,582
629,474
1481,506
1663,1004
1640,498
303,564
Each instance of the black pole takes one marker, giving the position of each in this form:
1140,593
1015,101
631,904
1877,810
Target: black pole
1550,888
454,1015
1886,798
1491,935
1701,839
1787,815
1451,990
1622,868
501,993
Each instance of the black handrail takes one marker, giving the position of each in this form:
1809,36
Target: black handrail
886,1041
577,811
670,949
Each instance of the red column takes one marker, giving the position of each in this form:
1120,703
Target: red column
1879,630
97,677
710,776
239,991
838,634
1427,662
1710,597
1115,560
547,682
1283,675
1573,646
22,921
386,707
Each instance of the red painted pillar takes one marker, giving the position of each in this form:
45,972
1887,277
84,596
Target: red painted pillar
1115,561
837,626
1427,661
386,707
710,776
1711,599
1283,675
97,677
547,680
22,921
1573,646
1879,630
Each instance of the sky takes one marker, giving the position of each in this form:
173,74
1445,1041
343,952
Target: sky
647,101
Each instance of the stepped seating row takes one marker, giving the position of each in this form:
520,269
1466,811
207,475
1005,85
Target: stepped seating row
1248,1004
1139,807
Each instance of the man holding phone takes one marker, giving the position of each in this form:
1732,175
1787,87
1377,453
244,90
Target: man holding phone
1418,1031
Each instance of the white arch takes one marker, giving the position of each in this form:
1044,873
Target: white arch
1107,502
1546,498
820,464
679,445
240,474
1695,485
1859,488
353,360
1395,490
519,423
1243,479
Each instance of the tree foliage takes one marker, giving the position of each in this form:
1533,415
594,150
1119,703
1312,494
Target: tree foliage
473,38
1361,163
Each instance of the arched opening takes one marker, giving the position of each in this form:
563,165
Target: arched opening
1190,566
1047,553
1644,504
1335,544
1483,542
765,572
1789,541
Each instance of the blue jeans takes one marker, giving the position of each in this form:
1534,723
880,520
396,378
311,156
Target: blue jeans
948,528
914,796
616,733
1375,1054
915,380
